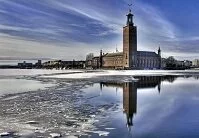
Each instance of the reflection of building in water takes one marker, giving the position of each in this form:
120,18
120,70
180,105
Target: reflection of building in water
149,82
144,82
129,101
130,92
129,98
196,77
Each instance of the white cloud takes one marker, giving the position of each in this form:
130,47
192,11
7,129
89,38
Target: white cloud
153,25
20,47
91,12
154,29
38,30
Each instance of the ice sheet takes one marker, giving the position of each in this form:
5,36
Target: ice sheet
11,86
123,73
30,72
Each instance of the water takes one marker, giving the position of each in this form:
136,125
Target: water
111,106
152,107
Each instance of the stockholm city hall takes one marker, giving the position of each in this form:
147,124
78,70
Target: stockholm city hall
130,57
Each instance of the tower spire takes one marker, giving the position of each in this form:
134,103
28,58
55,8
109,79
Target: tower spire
116,49
159,51
129,42
130,5
130,15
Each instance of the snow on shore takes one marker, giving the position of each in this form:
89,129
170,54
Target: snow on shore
44,73
98,73
31,72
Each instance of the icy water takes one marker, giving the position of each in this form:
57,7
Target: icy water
13,85
153,107
111,106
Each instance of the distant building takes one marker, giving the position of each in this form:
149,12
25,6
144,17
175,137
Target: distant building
52,64
25,65
179,63
196,63
130,58
185,64
59,64
38,64
89,59
95,63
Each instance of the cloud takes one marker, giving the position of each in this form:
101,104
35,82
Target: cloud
153,26
155,29
22,48
56,23
94,24
151,20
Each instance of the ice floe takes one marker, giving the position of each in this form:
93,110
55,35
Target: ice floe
31,72
55,135
101,133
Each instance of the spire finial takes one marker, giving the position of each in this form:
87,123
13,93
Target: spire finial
130,5
159,46
159,51
130,15
116,49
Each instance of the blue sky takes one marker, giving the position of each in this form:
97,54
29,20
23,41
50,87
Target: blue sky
70,29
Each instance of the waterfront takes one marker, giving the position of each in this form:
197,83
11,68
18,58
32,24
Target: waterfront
101,106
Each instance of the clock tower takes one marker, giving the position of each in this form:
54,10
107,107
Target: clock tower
129,43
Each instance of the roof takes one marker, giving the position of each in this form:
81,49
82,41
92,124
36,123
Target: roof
96,57
147,53
113,54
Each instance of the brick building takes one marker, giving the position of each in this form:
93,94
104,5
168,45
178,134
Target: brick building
130,58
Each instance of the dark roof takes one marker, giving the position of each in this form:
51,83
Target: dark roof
147,53
96,57
113,54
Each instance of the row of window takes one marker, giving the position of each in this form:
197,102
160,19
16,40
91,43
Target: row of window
148,63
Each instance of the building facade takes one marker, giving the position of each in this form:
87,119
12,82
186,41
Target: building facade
25,65
112,60
130,58
195,63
